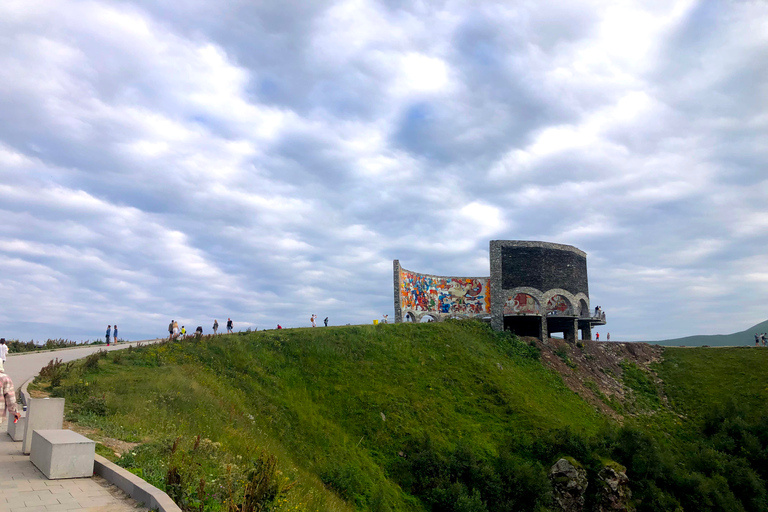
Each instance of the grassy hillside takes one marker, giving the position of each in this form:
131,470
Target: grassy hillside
342,408
743,338
447,417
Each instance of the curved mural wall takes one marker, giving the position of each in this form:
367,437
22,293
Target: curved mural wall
418,295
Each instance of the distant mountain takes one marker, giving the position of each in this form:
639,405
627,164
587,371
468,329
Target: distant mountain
718,340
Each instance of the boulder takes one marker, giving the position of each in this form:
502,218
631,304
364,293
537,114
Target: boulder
569,483
613,492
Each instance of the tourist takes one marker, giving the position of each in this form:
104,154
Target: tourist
757,340
279,326
199,330
114,335
386,319
183,332
3,350
9,396
175,330
597,336
170,331
215,327
608,337
764,338
312,320
326,321
109,333
229,326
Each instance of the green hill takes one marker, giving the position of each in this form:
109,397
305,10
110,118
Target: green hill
441,416
746,337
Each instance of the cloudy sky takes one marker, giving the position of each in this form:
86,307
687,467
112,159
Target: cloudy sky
266,160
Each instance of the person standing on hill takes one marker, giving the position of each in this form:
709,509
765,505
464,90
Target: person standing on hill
175,330
9,396
597,336
109,333
170,330
3,351
229,326
183,332
114,335
215,327
312,320
326,321
757,340
608,337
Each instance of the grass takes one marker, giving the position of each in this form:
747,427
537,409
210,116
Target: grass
698,378
440,416
337,406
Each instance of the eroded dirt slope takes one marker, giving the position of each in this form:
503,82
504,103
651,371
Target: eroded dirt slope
594,369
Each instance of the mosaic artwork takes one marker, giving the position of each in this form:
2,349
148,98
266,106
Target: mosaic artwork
521,304
559,305
464,296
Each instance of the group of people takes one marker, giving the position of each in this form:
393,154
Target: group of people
597,336
175,332
313,321
111,335
760,338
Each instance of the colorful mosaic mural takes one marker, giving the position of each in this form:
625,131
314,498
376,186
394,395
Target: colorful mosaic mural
521,304
559,305
464,296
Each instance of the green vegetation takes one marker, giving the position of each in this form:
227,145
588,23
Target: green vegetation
16,346
441,416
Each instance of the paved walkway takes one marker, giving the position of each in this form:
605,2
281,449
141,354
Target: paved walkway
23,487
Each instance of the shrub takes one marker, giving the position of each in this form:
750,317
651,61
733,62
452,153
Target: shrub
96,405
55,371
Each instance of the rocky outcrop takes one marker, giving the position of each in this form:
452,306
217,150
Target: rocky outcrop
613,489
569,483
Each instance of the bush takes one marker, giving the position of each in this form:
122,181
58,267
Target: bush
96,405
55,371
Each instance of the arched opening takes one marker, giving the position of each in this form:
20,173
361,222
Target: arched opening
522,304
583,309
409,317
427,318
558,305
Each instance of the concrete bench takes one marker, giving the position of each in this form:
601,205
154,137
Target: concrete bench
42,414
16,430
62,454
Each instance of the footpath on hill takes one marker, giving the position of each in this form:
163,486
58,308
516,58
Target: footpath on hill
23,366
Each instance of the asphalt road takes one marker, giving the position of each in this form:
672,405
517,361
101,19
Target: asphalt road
21,367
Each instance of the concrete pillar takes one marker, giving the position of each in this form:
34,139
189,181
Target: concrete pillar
544,330
572,333
586,332
42,414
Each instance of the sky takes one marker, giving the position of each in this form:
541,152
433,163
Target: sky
268,160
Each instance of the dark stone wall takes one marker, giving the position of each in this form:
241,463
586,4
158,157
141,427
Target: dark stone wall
543,268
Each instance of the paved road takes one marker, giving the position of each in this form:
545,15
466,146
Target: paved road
23,366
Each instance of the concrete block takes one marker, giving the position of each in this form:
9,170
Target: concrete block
16,430
42,414
62,454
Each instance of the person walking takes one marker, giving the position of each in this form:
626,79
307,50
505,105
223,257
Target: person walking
114,335
597,336
109,333
757,340
170,330
183,332
229,326
175,330
326,321
215,327
3,351
312,320
9,396
608,337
